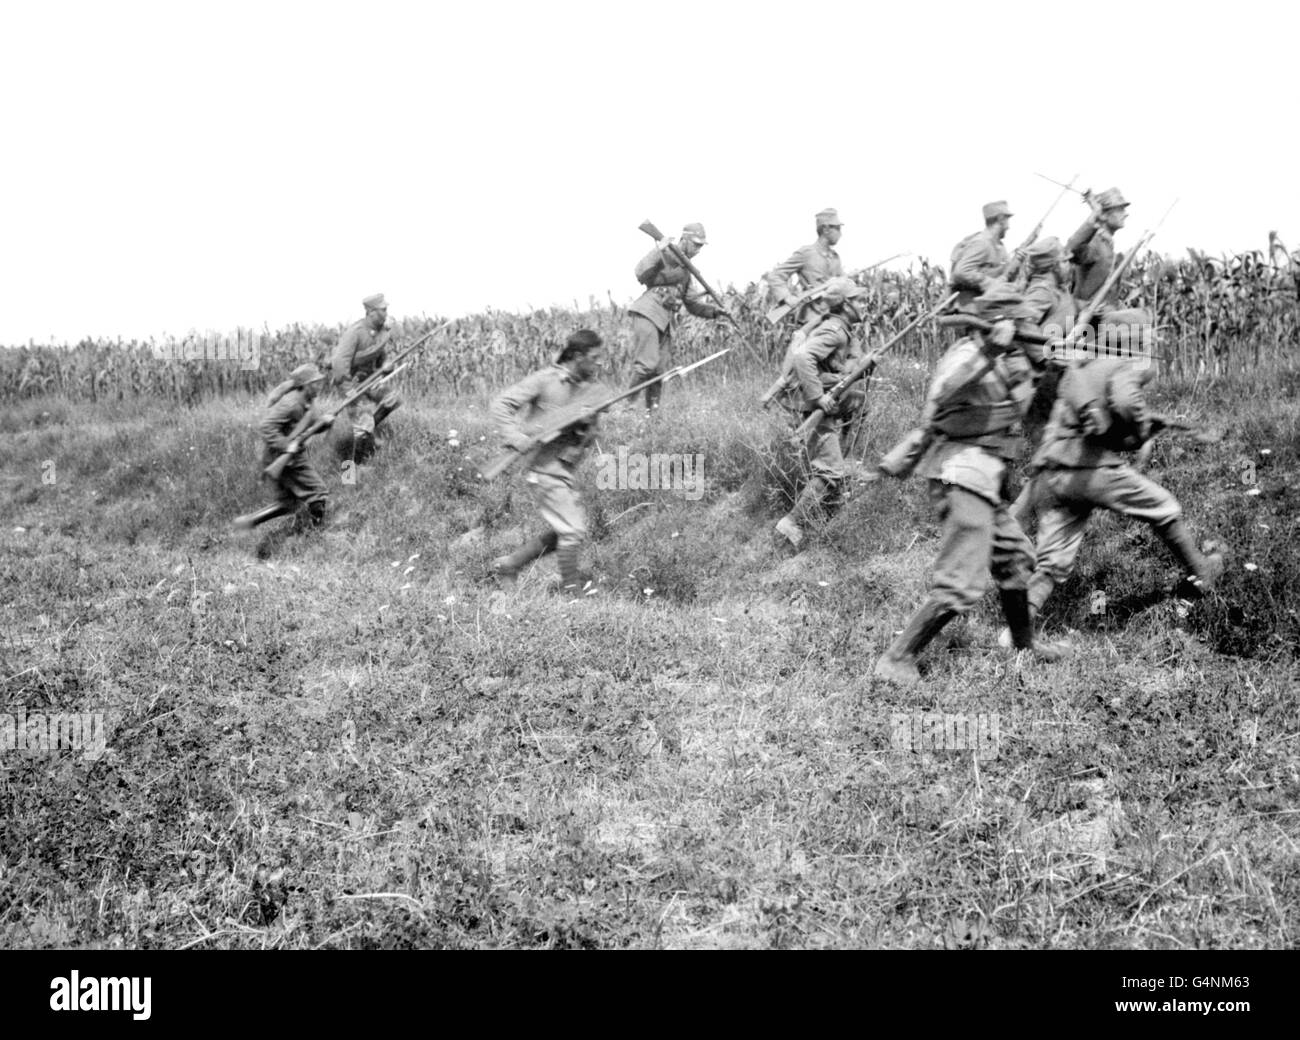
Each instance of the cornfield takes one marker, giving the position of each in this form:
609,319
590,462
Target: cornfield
1219,317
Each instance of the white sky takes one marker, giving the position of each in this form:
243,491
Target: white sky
191,166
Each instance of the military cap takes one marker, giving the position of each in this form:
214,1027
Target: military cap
375,303
1111,199
828,217
1046,252
695,231
582,342
840,288
993,210
304,374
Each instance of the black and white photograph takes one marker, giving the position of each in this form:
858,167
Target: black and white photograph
662,476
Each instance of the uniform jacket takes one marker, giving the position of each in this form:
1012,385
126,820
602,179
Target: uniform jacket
819,357
978,261
976,410
1100,412
534,401
1051,304
359,352
811,265
285,409
1092,249
668,287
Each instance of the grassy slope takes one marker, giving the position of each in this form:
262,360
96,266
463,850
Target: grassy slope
324,748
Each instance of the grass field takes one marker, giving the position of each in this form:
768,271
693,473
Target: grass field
355,740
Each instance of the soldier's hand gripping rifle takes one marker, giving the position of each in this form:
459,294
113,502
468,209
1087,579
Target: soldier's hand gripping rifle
578,415
1018,263
311,424
865,367
666,243
777,314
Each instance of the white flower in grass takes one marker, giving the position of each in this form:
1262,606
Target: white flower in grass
1251,567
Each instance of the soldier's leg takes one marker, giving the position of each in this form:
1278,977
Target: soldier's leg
284,504
645,352
960,574
561,508
1130,493
388,403
827,465
1012,565
507,567
301,483
654,392
1060,532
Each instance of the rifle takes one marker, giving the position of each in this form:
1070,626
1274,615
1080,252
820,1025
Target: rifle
682,259
309,425
580,414
1013,272
864,368
778,313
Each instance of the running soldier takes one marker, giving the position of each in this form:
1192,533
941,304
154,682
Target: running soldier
298,483
519,413
360,351
1100,415
980,259
816,362
810,265
977,399
1092,247
668,288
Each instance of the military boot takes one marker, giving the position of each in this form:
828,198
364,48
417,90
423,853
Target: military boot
898,663
1020,622
507,568
790,525
571,579
1201,569
250,520
382,413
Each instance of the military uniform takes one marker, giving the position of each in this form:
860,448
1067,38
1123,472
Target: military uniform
360,352
532,402
810,266
668,288
286,408
974,408
1092,250
817,362
1100,414
979,259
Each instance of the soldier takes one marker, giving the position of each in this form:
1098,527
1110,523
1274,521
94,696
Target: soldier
668,287
816,362
1100,414
287,405
360,351
810,265
980,259
1092,247
518,412
981,388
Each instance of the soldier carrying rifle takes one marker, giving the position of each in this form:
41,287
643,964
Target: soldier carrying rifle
810,265
668,288
360,352
1092,247
980,259
977,399
288,410
816,362
1100,414
518,412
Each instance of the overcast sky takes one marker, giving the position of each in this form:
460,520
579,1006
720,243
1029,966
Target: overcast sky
191,166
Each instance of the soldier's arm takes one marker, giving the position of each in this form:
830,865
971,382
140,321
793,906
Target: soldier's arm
778,279
964,363
969,272
1128,402
647,270
280,417
344,351
806,357
508,406
699,305
1077,247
